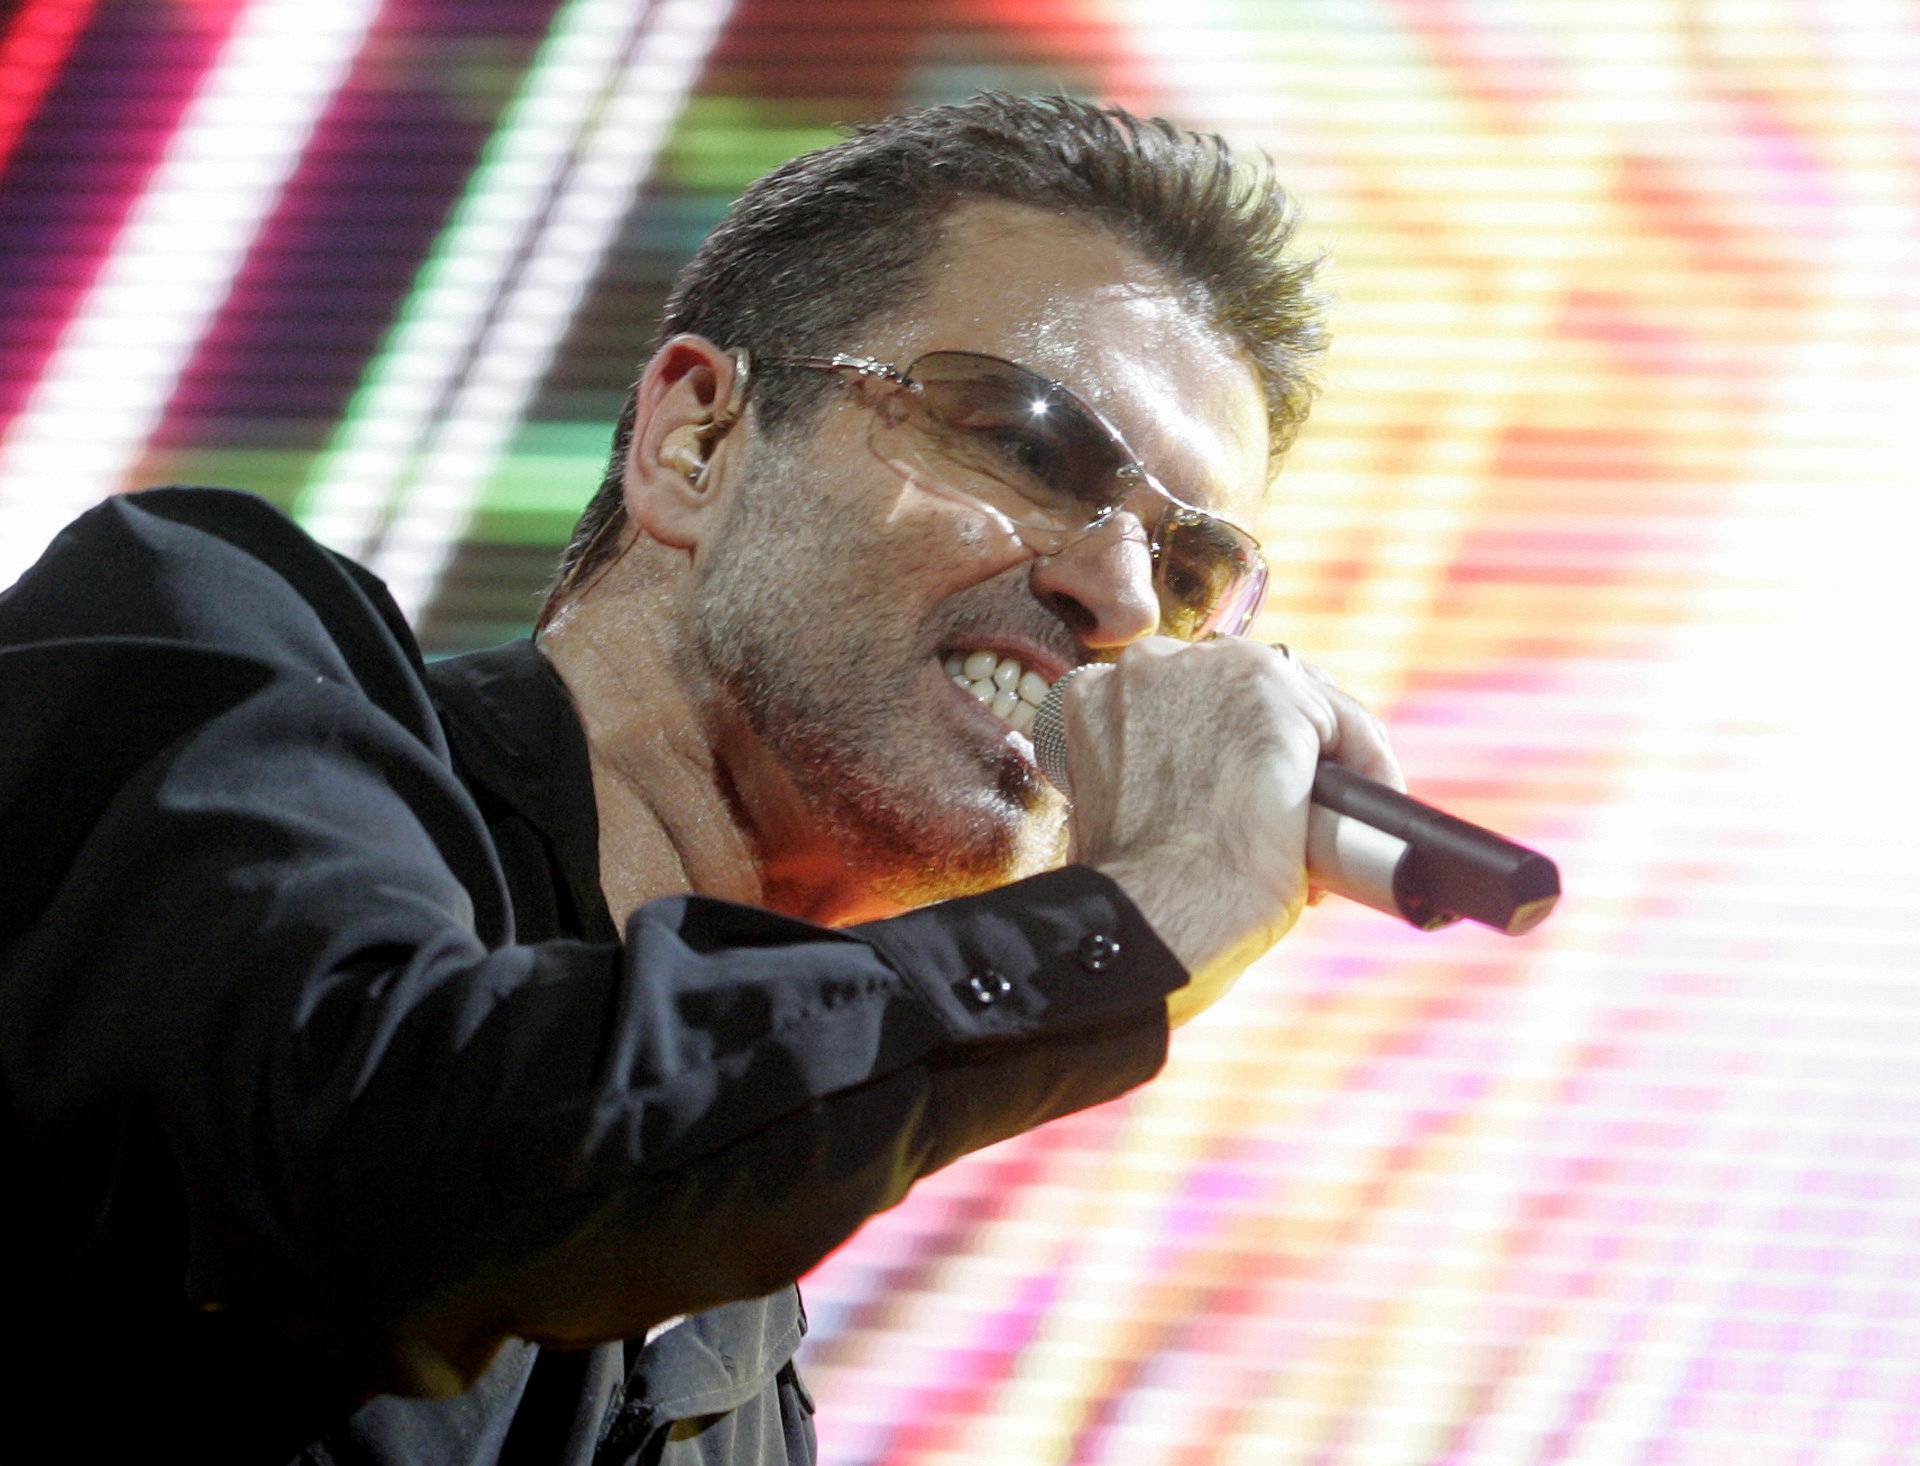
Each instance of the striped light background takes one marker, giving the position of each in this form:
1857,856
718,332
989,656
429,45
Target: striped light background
1606,505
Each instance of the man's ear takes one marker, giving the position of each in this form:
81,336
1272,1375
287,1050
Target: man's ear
685,403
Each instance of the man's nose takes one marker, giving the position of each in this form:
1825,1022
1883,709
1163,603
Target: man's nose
1101,584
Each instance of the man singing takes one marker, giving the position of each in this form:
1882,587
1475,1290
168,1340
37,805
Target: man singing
461,1063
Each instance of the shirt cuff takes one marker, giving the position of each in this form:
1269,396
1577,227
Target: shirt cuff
1061,951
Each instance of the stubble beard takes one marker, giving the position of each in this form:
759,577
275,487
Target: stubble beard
797,633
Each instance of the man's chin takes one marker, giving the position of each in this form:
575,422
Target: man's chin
917,809
944,853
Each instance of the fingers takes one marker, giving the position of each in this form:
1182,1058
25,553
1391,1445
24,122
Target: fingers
1193,767
1362,744
1349,734
1360,739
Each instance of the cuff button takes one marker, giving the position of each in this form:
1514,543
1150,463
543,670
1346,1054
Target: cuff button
1098,951
985,988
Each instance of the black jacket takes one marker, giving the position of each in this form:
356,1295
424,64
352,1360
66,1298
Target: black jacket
325,1074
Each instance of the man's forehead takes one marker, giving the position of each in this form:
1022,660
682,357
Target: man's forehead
1081,306
1200,428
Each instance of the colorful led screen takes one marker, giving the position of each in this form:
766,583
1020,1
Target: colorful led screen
1603,506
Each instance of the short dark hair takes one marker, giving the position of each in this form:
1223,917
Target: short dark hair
816,249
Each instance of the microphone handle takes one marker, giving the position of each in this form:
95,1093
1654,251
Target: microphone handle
1377,846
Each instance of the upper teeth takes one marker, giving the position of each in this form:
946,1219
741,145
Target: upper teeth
1001,683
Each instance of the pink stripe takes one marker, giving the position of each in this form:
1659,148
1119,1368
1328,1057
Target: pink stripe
39,43
31,55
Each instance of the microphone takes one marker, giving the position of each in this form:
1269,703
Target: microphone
1374,845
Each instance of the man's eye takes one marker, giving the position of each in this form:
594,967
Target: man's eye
1027,452
1185,586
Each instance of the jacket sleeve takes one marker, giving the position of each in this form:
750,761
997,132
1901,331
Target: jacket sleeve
261,915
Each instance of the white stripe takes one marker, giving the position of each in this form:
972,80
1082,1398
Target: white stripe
355,481
520,342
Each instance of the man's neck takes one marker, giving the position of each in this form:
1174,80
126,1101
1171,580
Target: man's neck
684,803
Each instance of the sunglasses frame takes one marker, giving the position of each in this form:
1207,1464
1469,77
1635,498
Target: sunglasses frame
1175,512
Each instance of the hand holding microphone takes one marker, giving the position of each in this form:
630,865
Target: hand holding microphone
1217,780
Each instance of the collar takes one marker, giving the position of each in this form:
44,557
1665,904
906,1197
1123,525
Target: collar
513,728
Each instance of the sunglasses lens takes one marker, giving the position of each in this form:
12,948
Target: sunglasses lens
1209,576
1028,451
1009,438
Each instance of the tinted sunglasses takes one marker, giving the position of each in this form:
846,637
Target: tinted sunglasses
1050,470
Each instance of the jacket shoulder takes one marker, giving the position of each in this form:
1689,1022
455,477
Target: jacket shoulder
214,568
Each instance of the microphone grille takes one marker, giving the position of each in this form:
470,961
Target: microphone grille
1050,735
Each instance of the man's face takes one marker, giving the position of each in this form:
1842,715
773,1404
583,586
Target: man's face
835,592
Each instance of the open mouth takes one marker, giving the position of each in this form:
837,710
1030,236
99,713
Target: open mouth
999,682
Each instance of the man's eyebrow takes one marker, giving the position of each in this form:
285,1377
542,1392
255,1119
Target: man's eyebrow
1192,477
1192,481
1198,462
1205,493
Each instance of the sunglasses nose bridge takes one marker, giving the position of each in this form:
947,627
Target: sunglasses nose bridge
1105,572
1117,521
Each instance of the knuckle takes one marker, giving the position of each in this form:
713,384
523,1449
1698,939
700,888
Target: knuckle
1148,648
